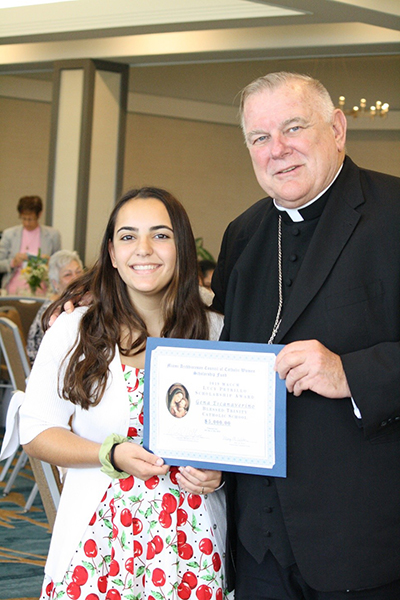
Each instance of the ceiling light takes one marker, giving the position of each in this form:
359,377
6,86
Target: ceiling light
378,109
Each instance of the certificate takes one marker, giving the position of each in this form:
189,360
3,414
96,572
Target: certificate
216,405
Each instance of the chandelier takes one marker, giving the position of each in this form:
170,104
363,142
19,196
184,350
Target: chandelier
380,109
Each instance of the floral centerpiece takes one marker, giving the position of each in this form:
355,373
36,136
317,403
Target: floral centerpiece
36,271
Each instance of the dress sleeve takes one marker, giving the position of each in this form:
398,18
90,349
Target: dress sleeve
43,407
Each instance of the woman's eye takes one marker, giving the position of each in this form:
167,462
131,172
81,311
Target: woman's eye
127,237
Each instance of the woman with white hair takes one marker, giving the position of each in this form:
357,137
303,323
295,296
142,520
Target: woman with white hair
64,266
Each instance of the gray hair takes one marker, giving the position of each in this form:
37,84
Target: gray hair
274,80
58,261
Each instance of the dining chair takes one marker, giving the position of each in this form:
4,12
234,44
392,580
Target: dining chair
5,383
27,308
46,476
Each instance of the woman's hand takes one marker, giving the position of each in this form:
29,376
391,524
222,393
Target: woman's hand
18,259
198,481
136,461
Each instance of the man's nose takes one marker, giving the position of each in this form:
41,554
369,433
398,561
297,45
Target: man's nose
278,146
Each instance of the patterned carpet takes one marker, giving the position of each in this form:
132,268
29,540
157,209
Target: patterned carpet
24,540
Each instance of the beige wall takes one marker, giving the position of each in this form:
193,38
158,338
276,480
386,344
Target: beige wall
205,165
24,147
376,150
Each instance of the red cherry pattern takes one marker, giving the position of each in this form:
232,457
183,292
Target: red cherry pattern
194,501
137,548
190,578
126,517
113,594
182,516
158,577
132,432
184,591
73,590
80,575
206,546
151,551
216,561
127,483
204,592
185,551
152,482
90,548
102,584
165,519
158,544
169,503
138,528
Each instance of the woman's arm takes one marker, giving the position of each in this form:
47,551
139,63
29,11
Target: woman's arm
63,448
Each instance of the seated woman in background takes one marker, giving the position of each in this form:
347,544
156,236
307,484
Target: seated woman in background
64,267
128,526
18,242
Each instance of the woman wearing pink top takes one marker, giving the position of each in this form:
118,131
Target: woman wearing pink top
20,241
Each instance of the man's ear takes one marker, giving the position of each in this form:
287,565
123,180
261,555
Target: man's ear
339,124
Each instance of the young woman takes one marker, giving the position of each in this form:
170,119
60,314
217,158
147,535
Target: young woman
128,526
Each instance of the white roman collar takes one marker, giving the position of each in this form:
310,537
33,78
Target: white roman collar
294,213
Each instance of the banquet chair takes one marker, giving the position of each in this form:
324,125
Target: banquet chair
27,308
11,313
46,476
8,384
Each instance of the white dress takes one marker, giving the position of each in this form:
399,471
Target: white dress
145,539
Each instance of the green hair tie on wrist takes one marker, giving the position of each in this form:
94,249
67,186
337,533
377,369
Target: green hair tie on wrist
104,456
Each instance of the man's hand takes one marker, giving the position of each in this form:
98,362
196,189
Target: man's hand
308,365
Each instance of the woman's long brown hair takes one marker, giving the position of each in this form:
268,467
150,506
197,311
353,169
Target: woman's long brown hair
87,364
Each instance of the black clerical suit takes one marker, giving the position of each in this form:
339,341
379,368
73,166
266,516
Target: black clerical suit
337,514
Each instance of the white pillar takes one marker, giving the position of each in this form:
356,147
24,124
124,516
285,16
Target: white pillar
86,151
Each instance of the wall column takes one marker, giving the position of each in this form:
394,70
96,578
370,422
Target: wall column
86,151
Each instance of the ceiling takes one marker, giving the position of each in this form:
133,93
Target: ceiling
172,32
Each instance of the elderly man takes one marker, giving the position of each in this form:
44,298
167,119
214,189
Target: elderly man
324,251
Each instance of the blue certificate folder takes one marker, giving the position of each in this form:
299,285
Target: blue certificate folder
216,405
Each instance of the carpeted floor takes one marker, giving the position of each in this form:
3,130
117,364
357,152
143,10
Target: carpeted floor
24,540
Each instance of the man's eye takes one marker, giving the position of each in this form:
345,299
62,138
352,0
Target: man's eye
259,140
294,128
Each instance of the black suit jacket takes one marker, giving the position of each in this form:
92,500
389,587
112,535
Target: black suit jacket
341,498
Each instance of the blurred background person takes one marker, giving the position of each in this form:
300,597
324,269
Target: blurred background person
206,270
18,242
64,266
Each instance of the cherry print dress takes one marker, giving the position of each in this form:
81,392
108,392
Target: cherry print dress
147,539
